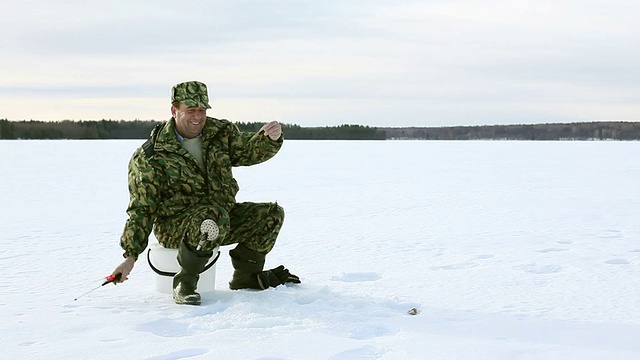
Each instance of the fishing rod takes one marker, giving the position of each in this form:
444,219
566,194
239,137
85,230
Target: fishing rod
109,279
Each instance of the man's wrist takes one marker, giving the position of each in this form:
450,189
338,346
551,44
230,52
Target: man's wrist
128,256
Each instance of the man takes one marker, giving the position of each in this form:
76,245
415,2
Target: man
182,176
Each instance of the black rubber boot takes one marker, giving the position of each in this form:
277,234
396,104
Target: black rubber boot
185,282
247,264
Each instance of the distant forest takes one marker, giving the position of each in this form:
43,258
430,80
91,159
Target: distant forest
604,130
111,129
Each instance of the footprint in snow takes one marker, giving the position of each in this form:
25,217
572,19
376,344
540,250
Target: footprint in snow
565,242
109,340
541,269
551,250
365,352
611,234
181,354
357,277
617,262
166,328
460,266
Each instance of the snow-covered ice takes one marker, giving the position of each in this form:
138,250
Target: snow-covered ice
508,250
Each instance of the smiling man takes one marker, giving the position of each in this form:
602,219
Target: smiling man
181,179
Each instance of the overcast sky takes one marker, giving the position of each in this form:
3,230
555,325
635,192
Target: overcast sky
325,62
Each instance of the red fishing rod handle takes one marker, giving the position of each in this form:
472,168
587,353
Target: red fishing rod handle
112,278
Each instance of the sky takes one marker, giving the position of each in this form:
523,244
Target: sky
323,63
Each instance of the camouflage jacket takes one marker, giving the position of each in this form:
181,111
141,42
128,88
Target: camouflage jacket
170,180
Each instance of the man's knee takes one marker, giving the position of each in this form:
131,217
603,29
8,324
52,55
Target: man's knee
277,212
171,231
252,213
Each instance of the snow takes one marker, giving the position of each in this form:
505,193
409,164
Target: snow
508,250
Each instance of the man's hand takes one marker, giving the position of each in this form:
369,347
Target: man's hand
275,277
273,130
124,268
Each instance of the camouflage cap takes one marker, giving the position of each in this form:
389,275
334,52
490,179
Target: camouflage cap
191,93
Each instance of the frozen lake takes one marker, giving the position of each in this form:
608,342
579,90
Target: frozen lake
527,250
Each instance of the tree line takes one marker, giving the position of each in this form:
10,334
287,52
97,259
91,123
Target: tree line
104,129
604,130
113,129
110,129
342,132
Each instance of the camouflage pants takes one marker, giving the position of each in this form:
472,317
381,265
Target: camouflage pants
256,225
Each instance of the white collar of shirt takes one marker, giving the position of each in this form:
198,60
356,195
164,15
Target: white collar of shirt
181,138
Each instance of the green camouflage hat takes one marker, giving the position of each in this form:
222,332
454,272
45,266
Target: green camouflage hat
191,93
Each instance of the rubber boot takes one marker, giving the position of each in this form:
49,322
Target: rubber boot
185,282
247,264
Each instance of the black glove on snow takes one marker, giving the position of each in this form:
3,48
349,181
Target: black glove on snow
276,276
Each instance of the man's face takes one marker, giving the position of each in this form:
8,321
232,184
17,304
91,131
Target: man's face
189,120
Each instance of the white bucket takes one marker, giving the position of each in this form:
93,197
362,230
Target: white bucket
164,260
